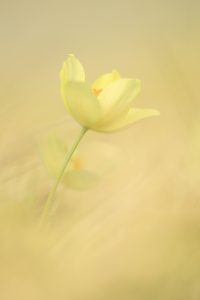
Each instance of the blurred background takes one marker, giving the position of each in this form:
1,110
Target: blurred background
135,233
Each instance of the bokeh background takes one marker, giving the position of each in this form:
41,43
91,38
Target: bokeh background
135,234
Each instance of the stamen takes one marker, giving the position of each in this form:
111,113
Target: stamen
97,91
77,163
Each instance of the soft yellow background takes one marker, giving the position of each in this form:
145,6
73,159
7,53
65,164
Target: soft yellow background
129,234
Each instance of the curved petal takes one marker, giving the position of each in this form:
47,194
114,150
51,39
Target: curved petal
117,97
133,115
99,157
105,80
72,70
82,104
80,179
53,150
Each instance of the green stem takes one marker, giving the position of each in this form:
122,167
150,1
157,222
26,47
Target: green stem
51,196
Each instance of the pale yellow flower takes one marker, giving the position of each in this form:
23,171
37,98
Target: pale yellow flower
104,106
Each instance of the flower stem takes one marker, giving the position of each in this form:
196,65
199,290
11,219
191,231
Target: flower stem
51,197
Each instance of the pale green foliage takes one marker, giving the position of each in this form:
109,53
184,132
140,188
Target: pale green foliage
89,165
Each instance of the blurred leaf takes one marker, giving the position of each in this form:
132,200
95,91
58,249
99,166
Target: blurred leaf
80,179
85,168
53,153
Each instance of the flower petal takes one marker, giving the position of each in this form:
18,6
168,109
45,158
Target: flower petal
72,70
99,157
82,104
105,80
80,179
53,150
117,97
133,115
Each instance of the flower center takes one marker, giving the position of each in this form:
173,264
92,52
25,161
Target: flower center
77,163
96,92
